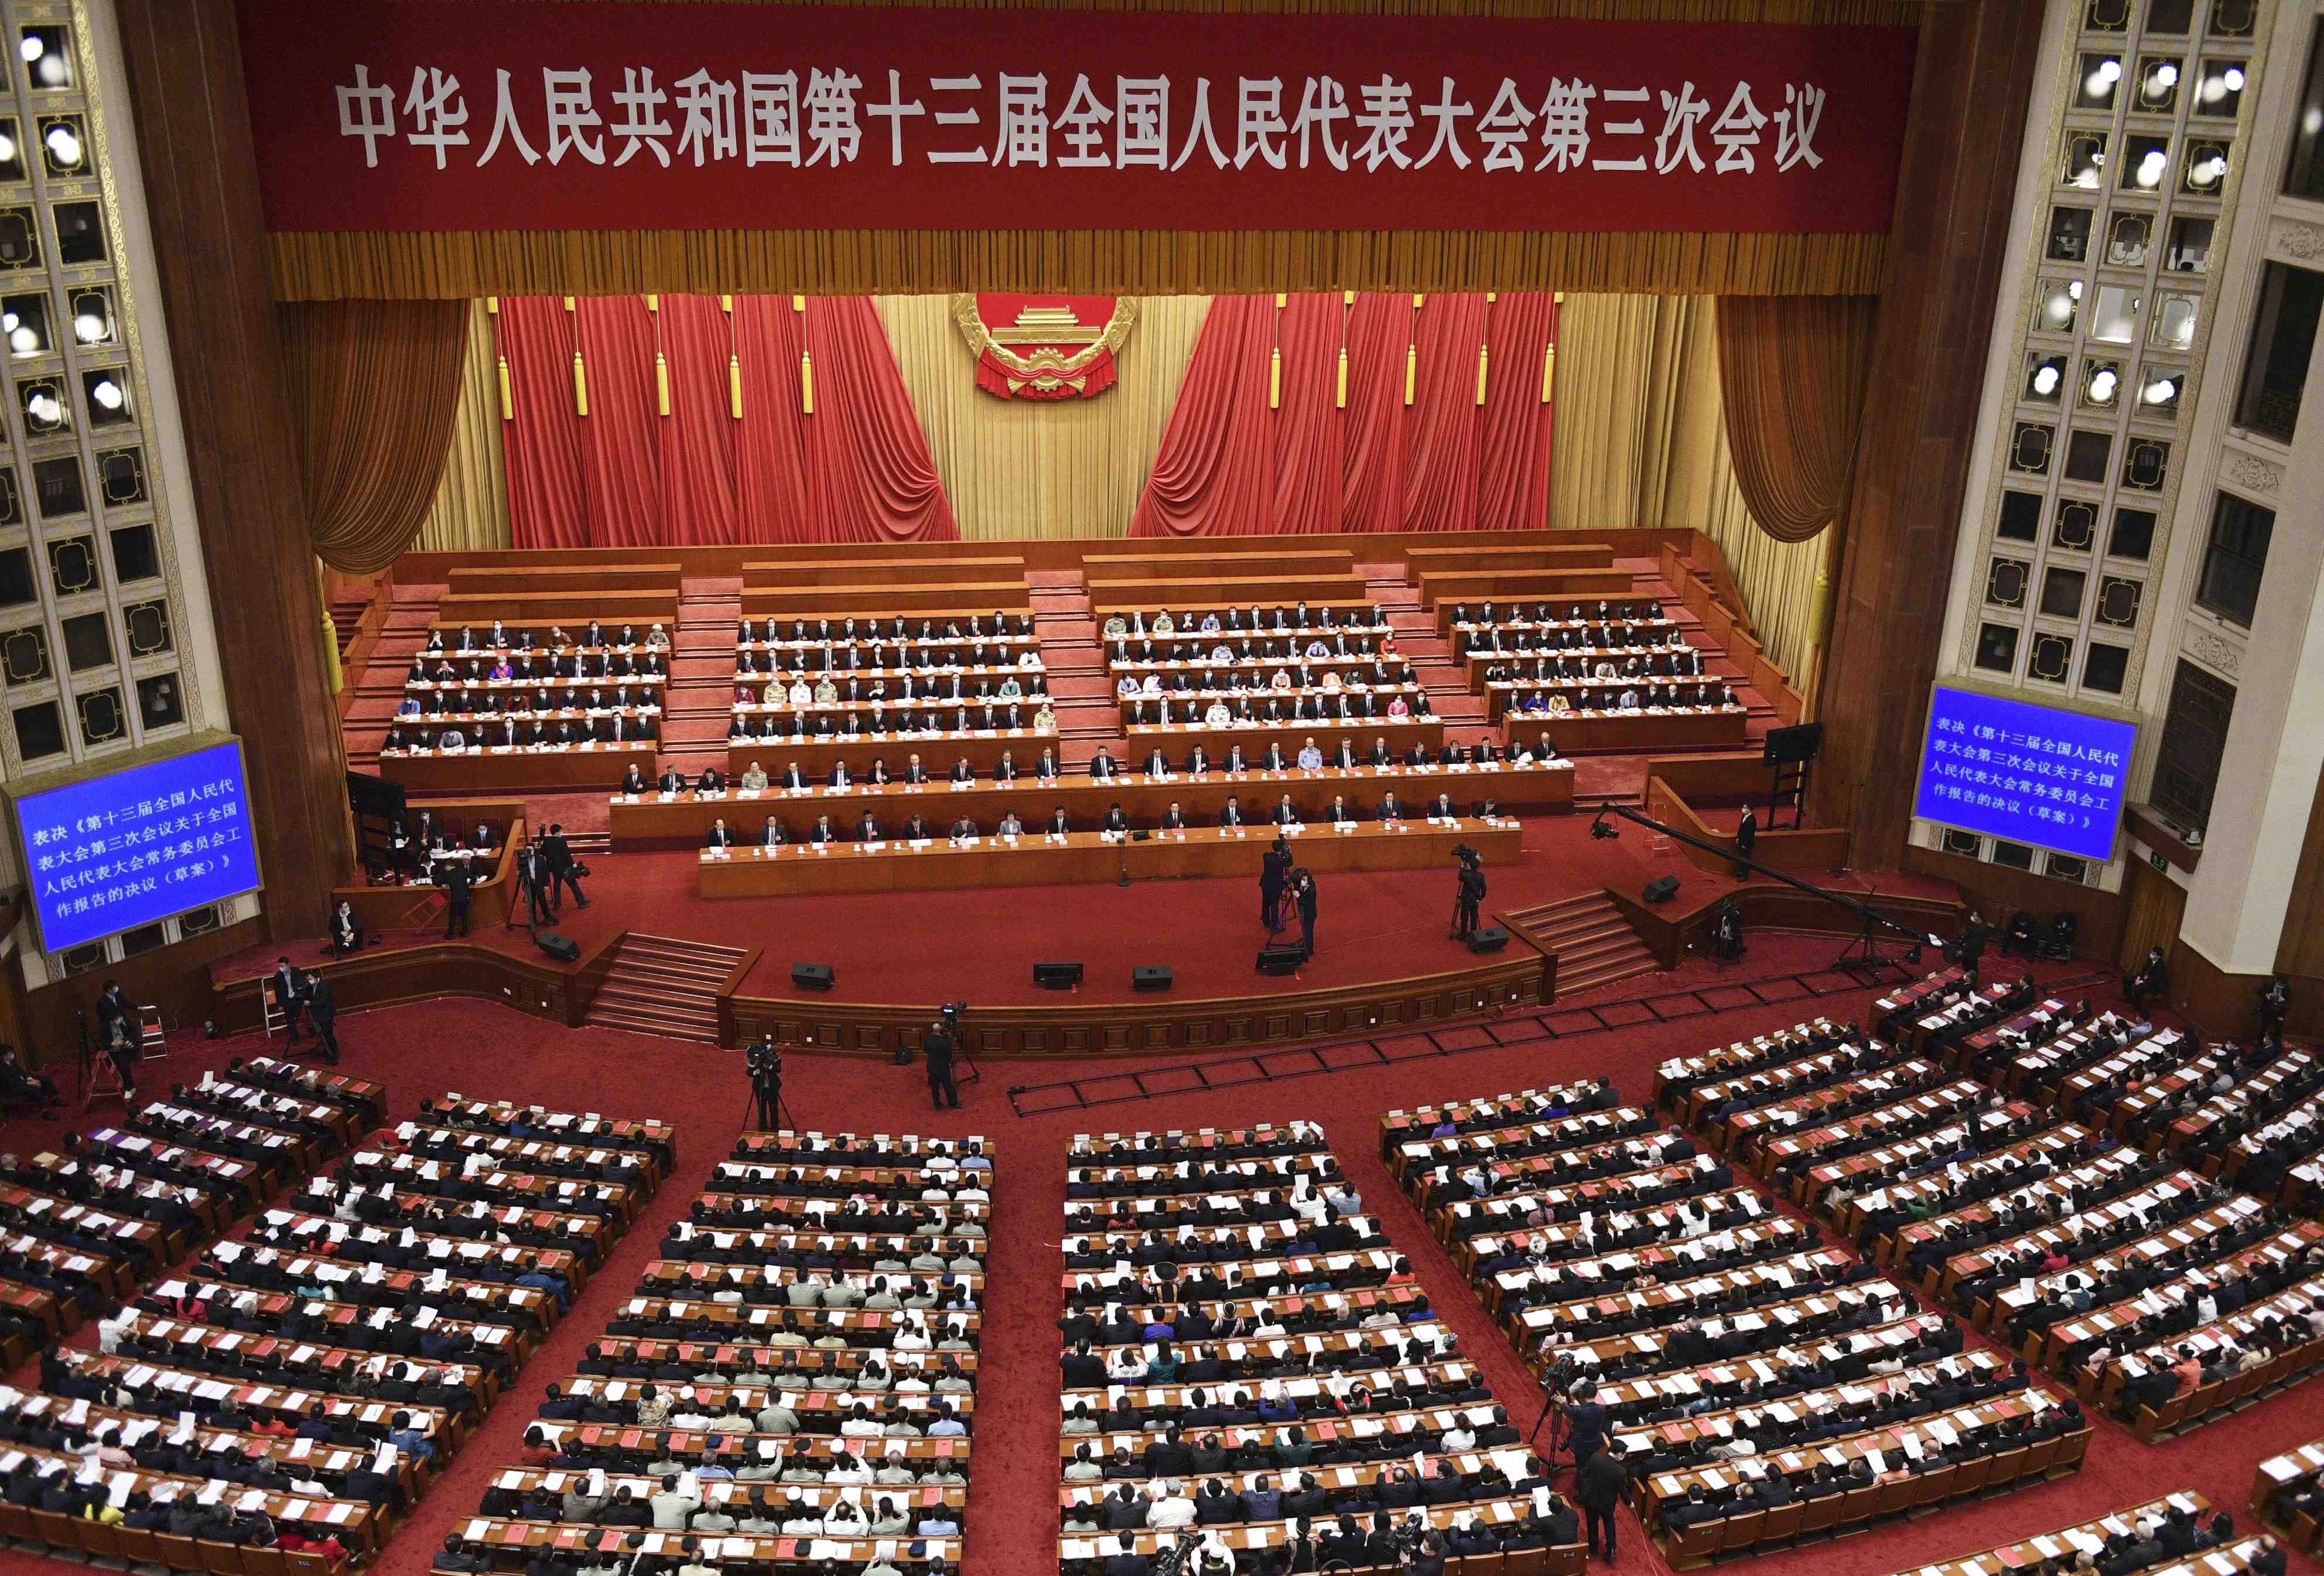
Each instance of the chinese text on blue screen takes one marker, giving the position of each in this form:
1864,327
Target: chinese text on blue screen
125,849
2034,774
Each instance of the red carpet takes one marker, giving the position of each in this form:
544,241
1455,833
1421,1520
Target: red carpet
480,1049
935,946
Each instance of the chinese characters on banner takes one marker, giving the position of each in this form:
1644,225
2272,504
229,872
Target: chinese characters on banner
408,115
118,851
2028,773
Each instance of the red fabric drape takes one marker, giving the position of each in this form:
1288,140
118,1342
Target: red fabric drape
1230,465
1213,476
1379,327
873,477
700,500
858,469
1513,489
771,453
549,506
621,464
1440,442
1306,435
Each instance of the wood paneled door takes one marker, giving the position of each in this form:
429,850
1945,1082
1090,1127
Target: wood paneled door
2153,906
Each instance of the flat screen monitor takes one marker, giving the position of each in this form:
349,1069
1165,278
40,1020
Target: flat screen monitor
120,849
2028,773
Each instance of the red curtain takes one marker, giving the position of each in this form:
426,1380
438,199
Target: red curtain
1513,492
1213,476
547,504
856,469
1379,327
1444,461
1306,435
700,500
772,453
621,466
1440,442
873,478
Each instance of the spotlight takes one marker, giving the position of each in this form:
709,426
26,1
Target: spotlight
31,49
90,327
106,392
2150,167
2103,383
7,149
43,408
63,146
22,340
2045,381
2234,79
51,71
2208,169
2162,391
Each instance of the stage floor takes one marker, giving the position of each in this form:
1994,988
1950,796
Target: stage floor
981,946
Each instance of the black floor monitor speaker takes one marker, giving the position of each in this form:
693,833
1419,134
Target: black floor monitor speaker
1280,959
1150,976
1488,938
1056,976
1661,889
563,949
813,976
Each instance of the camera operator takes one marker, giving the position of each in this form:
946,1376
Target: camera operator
1274,877
936,1049
1586,1423
1727,937
1303,895
1469,893
766,1066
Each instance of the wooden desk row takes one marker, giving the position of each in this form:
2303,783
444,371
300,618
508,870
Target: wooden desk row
546,770
2300,1465
650,821
2085,1537
1087,857
1629,733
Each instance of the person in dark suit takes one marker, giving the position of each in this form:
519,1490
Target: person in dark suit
1274,877
285,983
937,1048
1746,838
557,855
458,886
322,1013
1102,766
1233,815
1303,893
1059,822
720,837
1598,1485
2149,982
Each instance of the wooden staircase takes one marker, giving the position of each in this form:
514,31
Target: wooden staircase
1593,943
662,985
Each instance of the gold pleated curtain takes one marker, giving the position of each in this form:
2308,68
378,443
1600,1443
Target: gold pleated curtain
1024,468
470,512
373,386
1642,440
1791,375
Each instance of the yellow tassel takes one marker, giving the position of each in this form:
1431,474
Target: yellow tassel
1417,299
1280,299
806,383
1340,394
1491,296
1274,380
568,303
1411,371
661,380
653,303
1558,300
1481,374
491,306
1347,298
734,385
580,386
1548,371
798,303
508,398
726,303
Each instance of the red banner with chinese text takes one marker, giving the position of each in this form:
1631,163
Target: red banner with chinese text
510,115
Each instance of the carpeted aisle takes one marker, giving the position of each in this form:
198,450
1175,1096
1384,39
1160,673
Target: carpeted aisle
480,1049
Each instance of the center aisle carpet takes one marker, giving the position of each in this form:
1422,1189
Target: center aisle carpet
481,1050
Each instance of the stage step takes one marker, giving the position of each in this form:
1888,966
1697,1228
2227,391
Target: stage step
664,985
1593,942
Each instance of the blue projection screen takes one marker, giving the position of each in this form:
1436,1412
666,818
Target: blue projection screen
116,852
2028,773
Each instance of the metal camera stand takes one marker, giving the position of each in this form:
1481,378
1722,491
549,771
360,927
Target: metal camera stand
764,1083
951,1014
